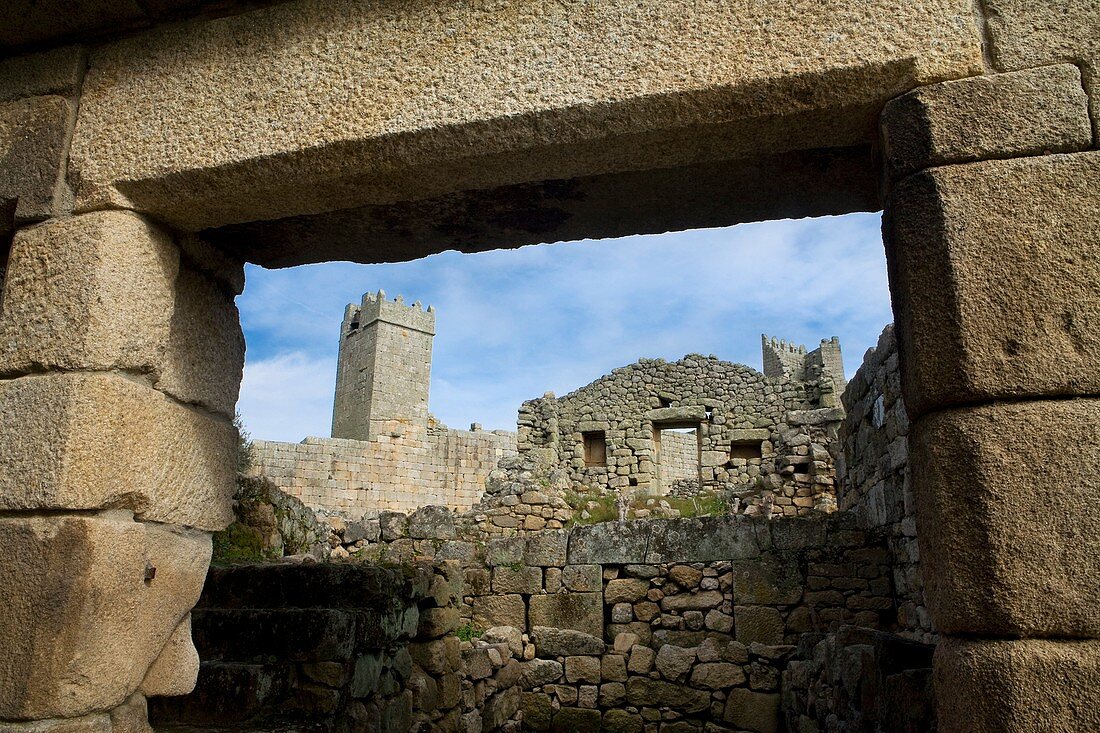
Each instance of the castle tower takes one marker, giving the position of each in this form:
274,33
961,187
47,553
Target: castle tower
384,368
782,358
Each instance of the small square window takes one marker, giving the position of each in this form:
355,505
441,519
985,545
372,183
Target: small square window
746,449
595,448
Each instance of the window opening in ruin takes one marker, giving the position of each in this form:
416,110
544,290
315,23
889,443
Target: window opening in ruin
595,448
676,451
664,401
747,450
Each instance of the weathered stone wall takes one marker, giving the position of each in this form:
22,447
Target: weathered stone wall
398,472
337,647
784,358
857,680
689,620
120,360
875,480
790,425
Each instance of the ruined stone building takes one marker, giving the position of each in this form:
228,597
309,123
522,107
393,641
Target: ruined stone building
695,425
386,450
717,624
825,364
151,149
747,433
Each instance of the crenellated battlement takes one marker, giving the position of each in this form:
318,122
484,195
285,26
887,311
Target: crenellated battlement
787,359
375,307
781,345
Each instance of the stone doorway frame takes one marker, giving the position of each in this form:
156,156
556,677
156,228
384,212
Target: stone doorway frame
196,145
658,428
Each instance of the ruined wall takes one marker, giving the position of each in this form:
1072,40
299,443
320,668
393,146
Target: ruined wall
395,472
729,404
858,680
782,358
337,647
639,620
875,482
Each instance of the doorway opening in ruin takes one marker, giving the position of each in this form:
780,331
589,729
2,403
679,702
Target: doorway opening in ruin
676,450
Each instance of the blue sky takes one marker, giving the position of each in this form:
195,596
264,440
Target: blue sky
512,324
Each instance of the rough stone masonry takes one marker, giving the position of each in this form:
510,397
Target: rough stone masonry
721,621
756,436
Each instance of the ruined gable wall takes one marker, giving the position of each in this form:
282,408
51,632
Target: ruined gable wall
397,471
729,402
620,404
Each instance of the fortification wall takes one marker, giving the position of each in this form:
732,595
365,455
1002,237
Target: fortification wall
875,484
783,358
397,471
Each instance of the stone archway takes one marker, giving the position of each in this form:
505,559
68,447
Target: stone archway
312,130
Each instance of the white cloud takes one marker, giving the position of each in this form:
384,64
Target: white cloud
513,324
288,397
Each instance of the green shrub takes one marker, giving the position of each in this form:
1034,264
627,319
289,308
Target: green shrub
468,632
237,543
703,505
244,445
601,508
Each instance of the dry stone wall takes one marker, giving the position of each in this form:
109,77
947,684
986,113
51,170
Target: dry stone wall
763,441
858,680
681,620
338,647
686,623
397,472
875,484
